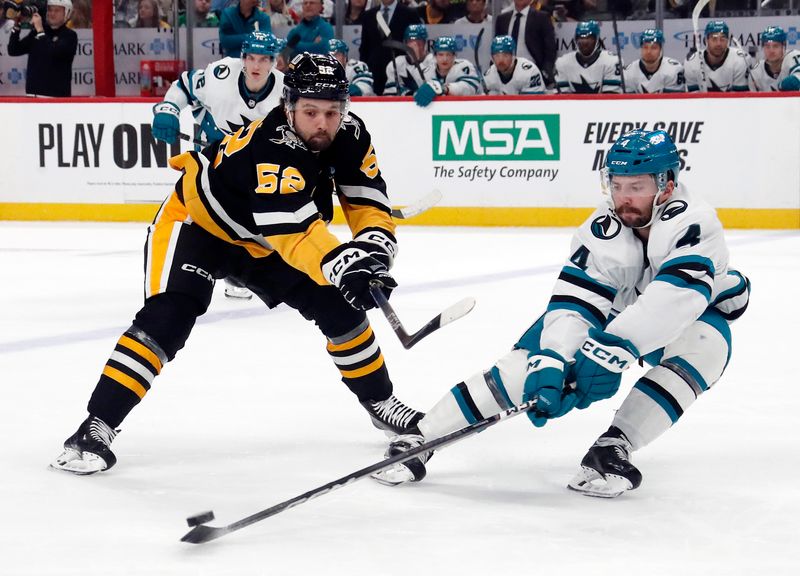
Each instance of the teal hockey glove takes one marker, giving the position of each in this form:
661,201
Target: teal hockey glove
599,364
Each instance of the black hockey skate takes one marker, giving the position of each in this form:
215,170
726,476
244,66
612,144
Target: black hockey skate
412,470
87,451
606,470
391,415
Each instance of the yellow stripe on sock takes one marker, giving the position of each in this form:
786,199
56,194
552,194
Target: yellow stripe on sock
142,351
125,380
368,369
360,339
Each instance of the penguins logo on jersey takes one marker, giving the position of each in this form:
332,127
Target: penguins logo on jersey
673,209
606,227
288,138
350,122
222,71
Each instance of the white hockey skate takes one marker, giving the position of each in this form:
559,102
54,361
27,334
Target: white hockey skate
606,470
412,470
88,450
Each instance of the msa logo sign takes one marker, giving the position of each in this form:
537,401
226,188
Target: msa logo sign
522,137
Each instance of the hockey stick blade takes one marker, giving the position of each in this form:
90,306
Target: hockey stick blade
202,533
422,205
451,314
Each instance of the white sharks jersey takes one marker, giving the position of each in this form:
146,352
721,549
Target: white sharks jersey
408,74
762,81
650,291
668,77
526,78
730,76
218,97
462,79
358,74
601,74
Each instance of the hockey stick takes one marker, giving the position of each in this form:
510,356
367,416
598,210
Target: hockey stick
200,142
477,58
448,315
200,533
698,41
619,49
422,205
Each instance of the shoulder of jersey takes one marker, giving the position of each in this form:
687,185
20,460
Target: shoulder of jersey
223,69
686,209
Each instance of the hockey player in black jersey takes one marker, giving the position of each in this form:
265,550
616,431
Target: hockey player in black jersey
256,205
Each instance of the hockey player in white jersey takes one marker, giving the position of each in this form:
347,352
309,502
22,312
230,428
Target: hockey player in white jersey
358,73
228,94
654,73
646,280
510,74
779,70
589,69
404,76
717,68
453,76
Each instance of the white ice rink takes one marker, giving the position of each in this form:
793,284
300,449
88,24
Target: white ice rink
252,412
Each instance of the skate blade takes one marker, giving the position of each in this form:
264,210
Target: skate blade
79,464
238,293
394,476
589,482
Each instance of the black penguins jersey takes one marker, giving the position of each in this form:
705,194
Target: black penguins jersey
262,188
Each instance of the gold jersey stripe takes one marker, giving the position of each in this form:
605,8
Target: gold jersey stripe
368,369
350,344
161,240
142,351
125,380
360,217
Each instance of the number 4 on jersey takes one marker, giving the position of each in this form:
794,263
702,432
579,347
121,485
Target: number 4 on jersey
691,238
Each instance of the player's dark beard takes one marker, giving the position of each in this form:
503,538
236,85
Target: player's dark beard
632,217
319,141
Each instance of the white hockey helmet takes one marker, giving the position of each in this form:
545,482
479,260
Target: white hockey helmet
67,4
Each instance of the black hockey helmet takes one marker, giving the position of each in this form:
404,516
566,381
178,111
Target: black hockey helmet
318,76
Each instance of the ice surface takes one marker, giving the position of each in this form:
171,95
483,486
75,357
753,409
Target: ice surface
252,413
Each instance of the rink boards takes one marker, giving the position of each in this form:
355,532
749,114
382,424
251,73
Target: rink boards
497,161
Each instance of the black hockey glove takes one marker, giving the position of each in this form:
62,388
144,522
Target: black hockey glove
351,269
380,244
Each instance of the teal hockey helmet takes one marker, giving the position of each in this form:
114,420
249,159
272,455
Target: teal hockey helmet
652,35
637,153
773,34
260,43
415,32
445,44
335,45
586,29
717,27
504,45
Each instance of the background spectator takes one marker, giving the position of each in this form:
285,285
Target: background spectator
355,11
476,13
398,17
312,33
237,21
203,16
50,47
148,15
281,15
124,12
81,14
533,33
327,8
436,12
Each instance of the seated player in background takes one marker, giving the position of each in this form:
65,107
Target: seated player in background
452,76
405,75
358,73
589,69
654,73
228,94
779,70
647,280
509,74
717,67
257,206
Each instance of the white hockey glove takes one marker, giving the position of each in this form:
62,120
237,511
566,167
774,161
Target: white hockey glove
380,244
351,269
